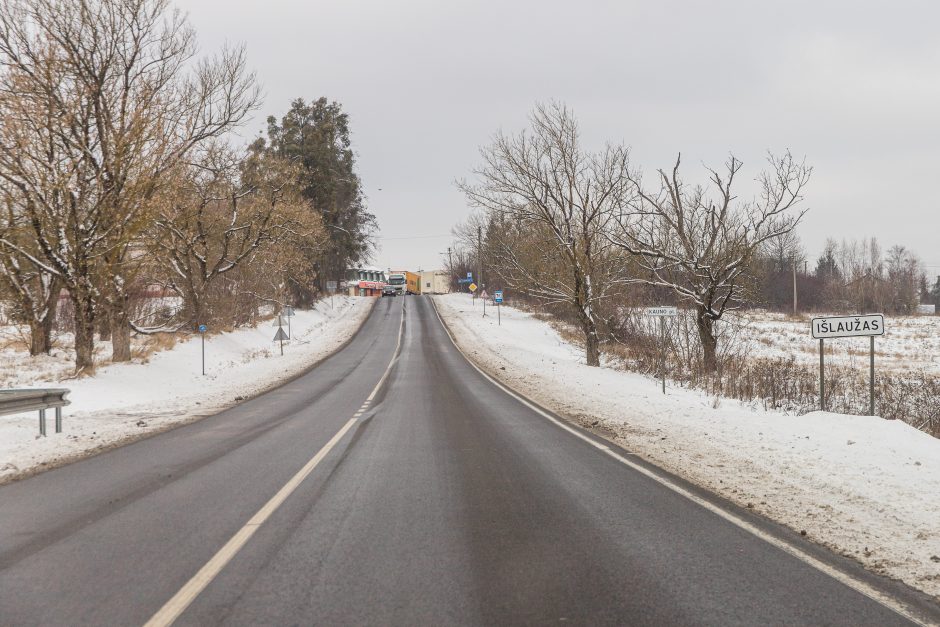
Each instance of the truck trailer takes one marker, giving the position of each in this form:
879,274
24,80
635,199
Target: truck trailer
405,282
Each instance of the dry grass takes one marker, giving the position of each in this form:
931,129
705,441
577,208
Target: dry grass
151,344
787,383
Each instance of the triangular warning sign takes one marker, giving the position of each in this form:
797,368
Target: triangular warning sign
280,335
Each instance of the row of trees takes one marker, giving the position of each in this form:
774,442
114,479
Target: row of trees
587,232
117,181
847,276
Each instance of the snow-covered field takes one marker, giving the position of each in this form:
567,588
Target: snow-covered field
909,343
864,486
125,401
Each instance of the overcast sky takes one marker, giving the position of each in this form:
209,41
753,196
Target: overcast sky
853,86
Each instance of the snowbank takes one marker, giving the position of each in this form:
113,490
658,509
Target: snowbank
865,487
125,401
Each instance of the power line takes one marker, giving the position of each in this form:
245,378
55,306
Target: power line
416,237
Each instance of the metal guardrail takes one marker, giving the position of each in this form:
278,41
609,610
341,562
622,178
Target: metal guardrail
19,401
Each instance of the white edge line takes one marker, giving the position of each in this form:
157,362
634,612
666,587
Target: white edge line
178,603
858,585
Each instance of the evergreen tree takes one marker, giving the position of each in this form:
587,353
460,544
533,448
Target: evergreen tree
316,135
827,267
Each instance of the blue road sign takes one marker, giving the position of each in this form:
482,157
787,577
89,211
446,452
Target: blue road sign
470,275
464,281
498,296
202,328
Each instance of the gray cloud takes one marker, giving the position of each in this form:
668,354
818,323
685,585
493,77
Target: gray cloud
852,85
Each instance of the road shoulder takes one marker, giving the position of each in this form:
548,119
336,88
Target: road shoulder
92,427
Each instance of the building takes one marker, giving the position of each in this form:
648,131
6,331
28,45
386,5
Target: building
435,282
366,281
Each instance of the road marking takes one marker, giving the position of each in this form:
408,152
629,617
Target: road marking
858,585
173,608
188,593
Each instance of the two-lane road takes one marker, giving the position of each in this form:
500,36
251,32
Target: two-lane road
442,500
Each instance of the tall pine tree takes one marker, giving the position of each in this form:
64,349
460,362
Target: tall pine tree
316,135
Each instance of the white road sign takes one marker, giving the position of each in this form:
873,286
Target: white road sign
661,311
848,326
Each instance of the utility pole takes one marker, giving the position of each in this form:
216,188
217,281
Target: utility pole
794,287
450,268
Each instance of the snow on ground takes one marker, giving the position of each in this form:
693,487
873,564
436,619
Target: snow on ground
909,343
125,401
865,487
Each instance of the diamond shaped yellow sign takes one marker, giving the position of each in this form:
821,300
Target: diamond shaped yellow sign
473,287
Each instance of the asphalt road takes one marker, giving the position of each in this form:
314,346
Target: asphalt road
446,501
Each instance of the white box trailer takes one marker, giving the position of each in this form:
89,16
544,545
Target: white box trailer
435,282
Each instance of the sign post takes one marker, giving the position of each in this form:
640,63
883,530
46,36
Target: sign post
280,336
498,298
662,313
822,376
289,312
870,326
202,335
483,297
332,286
473,288
871,377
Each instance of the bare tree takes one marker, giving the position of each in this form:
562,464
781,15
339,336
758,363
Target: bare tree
905,275
99,101
35,292
224,213
543,183
700,247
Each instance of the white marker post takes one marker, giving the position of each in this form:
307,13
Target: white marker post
662,313
870,325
